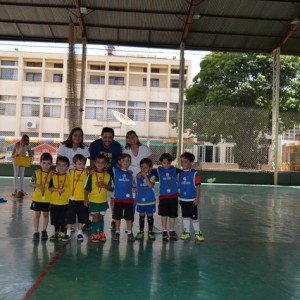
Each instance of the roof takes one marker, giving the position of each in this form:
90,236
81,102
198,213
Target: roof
221,25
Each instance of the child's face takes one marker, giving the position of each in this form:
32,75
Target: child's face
100,164
79,165
145,168
61,167
77,137
185,163
45,165
124,163
165,163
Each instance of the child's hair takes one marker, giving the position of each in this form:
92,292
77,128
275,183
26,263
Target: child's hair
79,157
46,156
147,161
108,129
132,132
101,156
63,159
124,155
166,156
69,143
188,155
24,136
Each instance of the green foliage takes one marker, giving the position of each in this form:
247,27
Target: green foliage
231,98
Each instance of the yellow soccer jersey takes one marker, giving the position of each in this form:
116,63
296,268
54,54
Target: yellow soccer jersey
78,180
44,178
60,182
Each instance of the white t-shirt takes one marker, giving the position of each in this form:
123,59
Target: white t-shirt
144,152
69,153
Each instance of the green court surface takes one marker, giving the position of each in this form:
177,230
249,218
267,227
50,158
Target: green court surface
251,251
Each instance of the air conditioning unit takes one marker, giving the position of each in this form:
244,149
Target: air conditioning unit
31,124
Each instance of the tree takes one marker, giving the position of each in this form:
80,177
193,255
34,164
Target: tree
231,98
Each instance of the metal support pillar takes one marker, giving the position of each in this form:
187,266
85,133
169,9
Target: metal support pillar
275,112
181,106
82,80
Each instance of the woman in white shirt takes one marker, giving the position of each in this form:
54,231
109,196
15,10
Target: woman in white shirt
136,150
21,148
73,145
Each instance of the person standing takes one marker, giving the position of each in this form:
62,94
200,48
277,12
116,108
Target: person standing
73,145
21,148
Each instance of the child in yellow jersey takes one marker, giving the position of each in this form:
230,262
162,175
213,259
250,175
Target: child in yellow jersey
41,195
60,187
76,208
95,196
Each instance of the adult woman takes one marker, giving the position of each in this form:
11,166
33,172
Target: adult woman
136,150
21,148
73,145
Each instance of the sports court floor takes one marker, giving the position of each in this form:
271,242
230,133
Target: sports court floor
251,251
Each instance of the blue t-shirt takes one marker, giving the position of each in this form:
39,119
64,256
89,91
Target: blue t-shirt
187,184
145,194
123,184
112,153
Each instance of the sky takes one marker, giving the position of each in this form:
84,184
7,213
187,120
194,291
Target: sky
194,56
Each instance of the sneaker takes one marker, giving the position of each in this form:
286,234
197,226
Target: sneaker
61,235
173,235
36,236
102,237
199,237
44,236
185,236
151,236
130,237
95,238
165,236
66,237
2,200
140,235
54,237
15,194
113,226
117,236
79,237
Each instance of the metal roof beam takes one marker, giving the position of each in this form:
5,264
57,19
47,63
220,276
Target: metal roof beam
79,16
188,21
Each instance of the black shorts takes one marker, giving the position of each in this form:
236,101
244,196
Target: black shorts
189,209
123,210
77,209
168,207
40,206
58,214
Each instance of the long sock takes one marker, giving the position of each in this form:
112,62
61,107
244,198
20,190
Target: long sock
142,223
94,227
196,225
101,225
186,224
150,222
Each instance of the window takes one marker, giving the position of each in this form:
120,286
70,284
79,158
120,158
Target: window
58,66
57,77
52,100
8,98
136,104
94,102
7,109
29,110
144,81
229,158
111,103
31,100
175,83
158,104
97,67
209,154
50,135
116,80
94,79
154,70
8,74
9,63
34,64
117,68
137,114
177,71
110,115
157,115
51,111
173,113
94,113
154,82
33,76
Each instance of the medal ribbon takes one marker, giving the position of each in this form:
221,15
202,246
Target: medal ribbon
63,182
168,180
43,192
74,184
101,180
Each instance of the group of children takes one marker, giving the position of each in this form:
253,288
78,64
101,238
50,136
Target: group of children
72,195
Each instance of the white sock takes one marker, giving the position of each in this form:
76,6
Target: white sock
196,225
68,231
129,231
79,231
186,224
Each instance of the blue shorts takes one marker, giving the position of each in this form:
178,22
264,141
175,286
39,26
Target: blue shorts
148,209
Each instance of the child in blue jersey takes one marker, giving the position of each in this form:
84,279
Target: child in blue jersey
123,201
168,195
145,199
189,196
